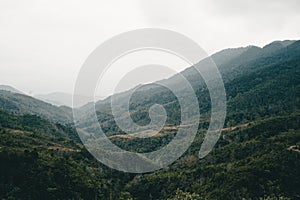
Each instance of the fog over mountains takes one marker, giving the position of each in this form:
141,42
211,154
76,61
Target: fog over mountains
256,157
63,99
221,57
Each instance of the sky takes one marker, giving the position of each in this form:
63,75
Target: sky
43,43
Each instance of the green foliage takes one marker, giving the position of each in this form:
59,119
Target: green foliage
259,83
257,156
180,195
23,104
256,162
36,124
39,166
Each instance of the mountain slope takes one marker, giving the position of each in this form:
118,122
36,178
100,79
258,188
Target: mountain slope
23,104
62,99
10,89
36,124
42,160
250,78
256,157
249,163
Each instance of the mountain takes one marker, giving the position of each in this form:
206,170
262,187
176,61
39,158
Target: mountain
258,151
63,99
261,68
10,89
276,45
41,160
57,98
226,55
256,157
35,124
23,104
256,161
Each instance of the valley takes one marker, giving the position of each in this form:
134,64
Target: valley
256,157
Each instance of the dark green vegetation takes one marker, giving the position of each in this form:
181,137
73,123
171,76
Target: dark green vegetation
257,156
22,104
40,161
259,83
251,162
36,124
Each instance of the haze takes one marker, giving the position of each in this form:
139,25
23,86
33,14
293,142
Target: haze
44,43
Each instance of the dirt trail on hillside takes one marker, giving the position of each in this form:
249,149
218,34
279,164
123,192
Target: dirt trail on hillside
294,148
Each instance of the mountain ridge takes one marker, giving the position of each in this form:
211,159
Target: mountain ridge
24,104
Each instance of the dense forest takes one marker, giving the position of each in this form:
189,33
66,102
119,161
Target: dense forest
257,156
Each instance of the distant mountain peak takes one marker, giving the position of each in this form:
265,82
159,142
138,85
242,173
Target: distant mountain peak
64,99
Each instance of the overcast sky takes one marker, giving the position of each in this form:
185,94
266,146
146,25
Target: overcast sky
43,43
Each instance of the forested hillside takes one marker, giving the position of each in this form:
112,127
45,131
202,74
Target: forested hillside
257,156
23,104
42,160
259,82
